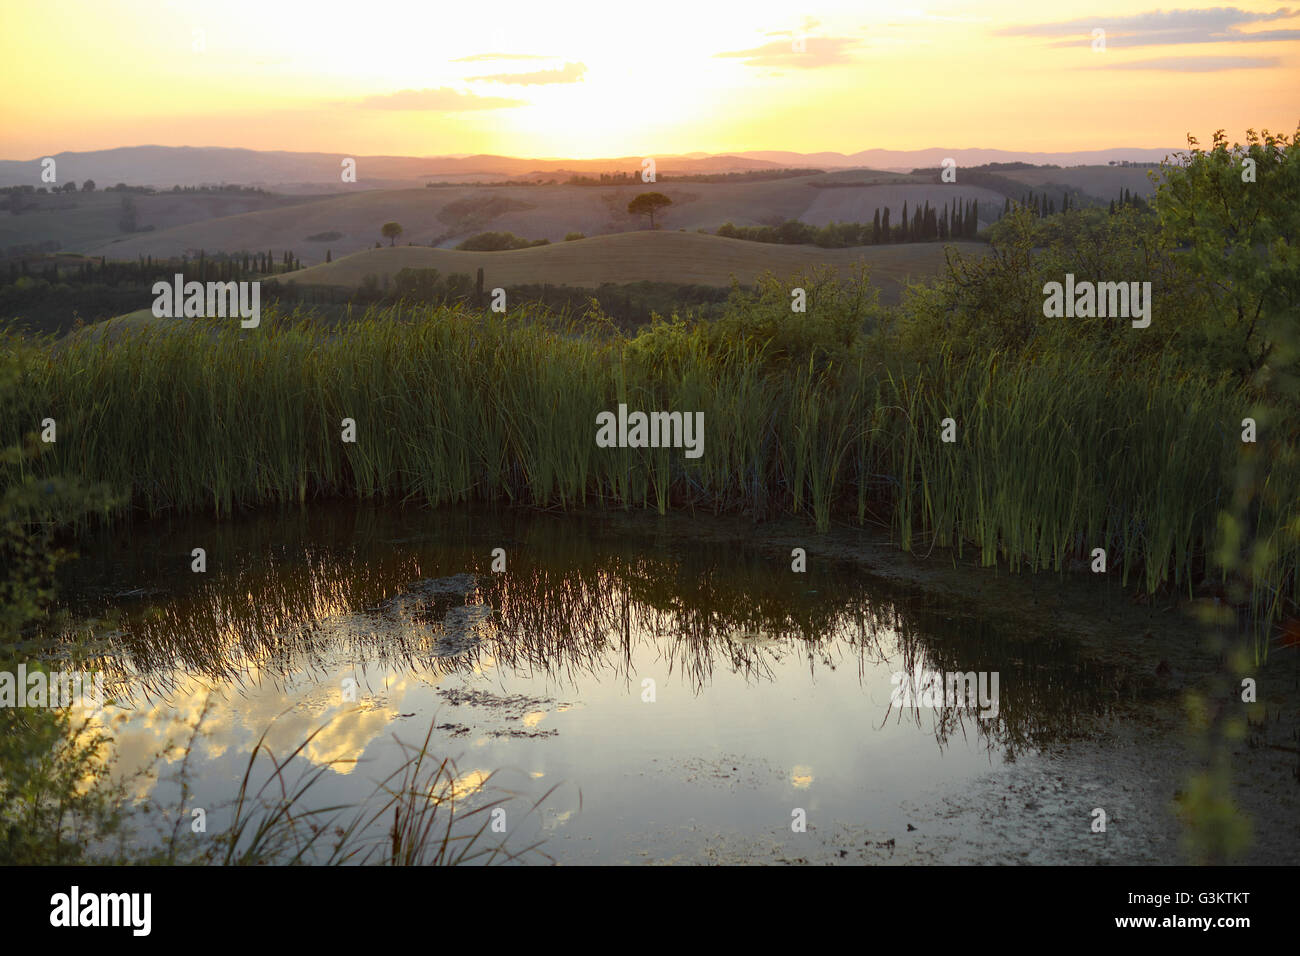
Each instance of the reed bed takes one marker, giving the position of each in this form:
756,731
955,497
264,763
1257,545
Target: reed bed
1054,456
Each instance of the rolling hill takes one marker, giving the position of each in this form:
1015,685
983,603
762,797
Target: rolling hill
676,257
189,165
81,221
447,215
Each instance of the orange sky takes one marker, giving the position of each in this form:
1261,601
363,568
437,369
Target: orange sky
621,78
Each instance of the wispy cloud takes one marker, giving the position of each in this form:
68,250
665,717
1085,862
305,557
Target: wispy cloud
932,17
482,57
809,23
1166,28
441,100
569,73
1199,64
817,52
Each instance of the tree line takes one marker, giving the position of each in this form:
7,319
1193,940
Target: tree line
955,220
51,294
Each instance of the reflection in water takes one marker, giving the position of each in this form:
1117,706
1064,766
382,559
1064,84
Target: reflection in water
403,605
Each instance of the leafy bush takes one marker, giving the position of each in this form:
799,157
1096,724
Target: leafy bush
499,242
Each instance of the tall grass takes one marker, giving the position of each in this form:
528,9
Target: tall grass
1055,455
277,823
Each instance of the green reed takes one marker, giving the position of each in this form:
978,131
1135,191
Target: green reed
1055,455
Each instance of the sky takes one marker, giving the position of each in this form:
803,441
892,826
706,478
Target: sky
600,79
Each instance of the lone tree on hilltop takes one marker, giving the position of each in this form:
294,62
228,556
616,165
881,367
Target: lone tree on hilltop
391,231
647,204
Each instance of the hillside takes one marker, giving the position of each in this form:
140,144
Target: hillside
80,221
447,215
677,257
1102,182
188,165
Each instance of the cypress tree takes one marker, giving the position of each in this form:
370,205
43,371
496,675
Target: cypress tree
327,256
875,228
902,223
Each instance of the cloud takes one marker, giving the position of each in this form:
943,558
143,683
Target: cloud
1199,64
1161,28
441,100
818,51
932,17
809,23
569,73
480,57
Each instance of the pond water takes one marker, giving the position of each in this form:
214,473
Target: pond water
669,690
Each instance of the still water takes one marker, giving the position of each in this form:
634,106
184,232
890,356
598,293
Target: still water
668,689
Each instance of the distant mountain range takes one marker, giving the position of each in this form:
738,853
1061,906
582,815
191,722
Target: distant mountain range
166,166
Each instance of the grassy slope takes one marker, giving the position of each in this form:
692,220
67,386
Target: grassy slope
679,257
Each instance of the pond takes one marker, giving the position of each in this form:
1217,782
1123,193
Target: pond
634,689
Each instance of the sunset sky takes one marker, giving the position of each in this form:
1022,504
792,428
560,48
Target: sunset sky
594,79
